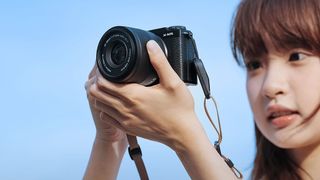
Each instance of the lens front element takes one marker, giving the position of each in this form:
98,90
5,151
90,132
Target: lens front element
118,53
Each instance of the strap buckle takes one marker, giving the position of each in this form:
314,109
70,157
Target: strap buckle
134,152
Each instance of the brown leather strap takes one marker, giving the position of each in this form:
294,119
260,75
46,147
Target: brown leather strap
136,155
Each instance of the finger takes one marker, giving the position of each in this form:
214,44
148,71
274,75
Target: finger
111,121
122,91
106,98
112,130
93,71
160,63
110,88
89,82
110,110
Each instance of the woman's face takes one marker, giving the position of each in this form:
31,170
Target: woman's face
284,94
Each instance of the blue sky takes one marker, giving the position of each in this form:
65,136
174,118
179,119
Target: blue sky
47,48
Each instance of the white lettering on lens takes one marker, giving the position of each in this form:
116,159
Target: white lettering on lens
104,63
124,67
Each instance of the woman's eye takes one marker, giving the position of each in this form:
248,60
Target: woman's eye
253,65
297,56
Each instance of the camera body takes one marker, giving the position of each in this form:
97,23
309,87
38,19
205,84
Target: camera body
122,55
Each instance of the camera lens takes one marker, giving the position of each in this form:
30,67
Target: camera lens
122,56
118,53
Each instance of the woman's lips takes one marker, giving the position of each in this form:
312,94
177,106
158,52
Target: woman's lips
280,116
283,120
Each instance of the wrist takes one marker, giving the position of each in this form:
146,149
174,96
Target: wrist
110,136
105,159
190,136
103,141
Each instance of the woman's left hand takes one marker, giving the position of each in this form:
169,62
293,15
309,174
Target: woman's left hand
163,112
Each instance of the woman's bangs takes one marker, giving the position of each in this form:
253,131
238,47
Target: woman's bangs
286,24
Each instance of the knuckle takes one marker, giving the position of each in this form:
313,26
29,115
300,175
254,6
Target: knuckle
121,109
134,97
128,119
118,108
131,111
174,86
92,91
89,96
125,123
100,82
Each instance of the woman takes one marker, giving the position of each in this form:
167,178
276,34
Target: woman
279,44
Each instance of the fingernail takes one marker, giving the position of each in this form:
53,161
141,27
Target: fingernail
152,46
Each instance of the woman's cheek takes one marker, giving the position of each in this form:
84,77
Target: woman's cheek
252,92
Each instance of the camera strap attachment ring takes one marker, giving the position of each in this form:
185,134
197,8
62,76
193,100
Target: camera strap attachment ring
136,155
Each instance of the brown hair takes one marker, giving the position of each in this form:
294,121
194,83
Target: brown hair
288,24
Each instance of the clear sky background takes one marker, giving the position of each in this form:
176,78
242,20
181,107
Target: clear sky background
47,49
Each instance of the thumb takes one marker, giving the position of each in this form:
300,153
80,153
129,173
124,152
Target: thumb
160,63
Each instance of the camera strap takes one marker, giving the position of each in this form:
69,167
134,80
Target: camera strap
136,155
205,84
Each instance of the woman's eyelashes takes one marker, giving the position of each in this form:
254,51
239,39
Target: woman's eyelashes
297,56
253,65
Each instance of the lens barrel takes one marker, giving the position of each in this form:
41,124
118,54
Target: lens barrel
122,56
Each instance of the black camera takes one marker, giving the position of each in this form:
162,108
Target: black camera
122,55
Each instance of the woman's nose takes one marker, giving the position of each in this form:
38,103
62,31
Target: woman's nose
275,82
